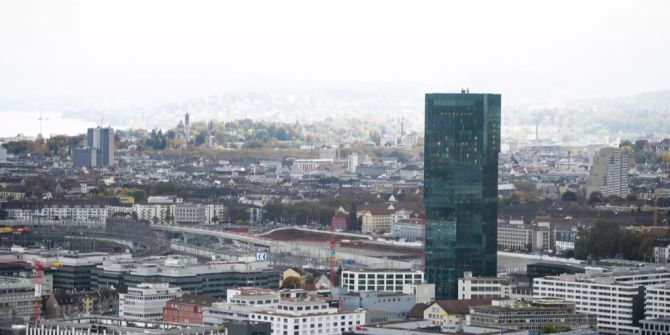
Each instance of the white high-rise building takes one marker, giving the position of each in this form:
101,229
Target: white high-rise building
609,173
146,301
616,298
352,162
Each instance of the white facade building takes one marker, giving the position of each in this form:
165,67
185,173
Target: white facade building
306,316
657,301
352,162
616,297
470,287
662,254
240,304
379,280
146,301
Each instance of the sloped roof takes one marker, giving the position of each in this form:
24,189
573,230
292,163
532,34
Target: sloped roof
460,307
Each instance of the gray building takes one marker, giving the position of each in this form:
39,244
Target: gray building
533,316
99,150
210,278
655,327
248,328
84,157
18,296
609,173
397,305
189,213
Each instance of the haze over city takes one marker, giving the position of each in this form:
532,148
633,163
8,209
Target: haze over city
354,167
77,54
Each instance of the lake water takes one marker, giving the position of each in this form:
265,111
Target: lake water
28,124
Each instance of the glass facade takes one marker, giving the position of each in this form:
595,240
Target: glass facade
462,141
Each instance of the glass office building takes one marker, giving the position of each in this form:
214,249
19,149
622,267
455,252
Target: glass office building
462,141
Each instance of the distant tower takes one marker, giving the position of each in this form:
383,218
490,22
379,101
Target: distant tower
402,128
187,127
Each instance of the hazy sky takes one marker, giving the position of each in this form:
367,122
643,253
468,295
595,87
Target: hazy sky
137,51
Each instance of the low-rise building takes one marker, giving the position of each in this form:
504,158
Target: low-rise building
193,277
396,305
18,295
112,325
187,309
146,301
239,304
532,316
470,287
450,315
304,315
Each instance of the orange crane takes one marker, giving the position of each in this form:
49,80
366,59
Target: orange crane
39,274
332,260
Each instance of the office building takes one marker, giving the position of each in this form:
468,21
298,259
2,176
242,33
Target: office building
239,304
379,280
462,141
655,327
99,150
615,297
396,305
209,278
470,287
657,301
352,162
247,328
533,316
146,301
71,271
328,153
424,292
18,296
609,173
189,213
84,157
112,325
304,315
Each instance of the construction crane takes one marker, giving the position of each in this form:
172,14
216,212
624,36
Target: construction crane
332,260
41,118
39,274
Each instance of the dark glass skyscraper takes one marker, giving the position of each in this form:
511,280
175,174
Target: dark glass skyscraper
460,187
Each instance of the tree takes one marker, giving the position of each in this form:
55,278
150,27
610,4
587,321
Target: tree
291,283
551,329
569,196
626,143
352,219
595,197
215,219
